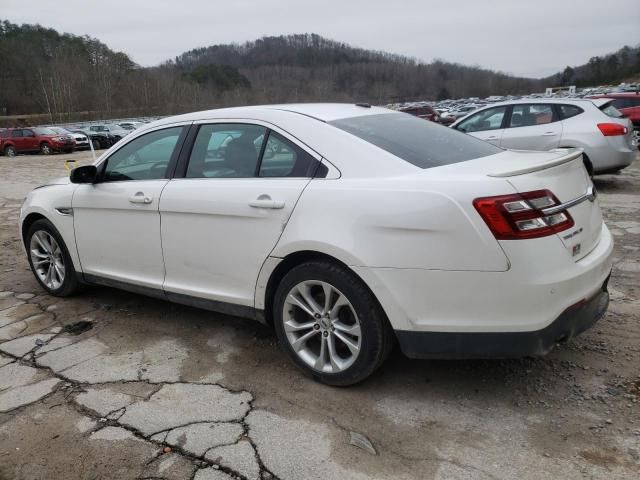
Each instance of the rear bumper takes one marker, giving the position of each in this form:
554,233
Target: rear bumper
612,157
571,322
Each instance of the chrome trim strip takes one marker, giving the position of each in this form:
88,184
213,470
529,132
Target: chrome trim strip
590,195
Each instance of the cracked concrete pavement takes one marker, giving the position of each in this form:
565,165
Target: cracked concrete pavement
108,384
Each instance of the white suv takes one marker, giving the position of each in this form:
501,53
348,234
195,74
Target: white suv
544,124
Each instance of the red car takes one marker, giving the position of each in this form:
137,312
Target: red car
36,139
426,112
628,104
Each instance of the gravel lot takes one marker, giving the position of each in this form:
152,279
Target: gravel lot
110,384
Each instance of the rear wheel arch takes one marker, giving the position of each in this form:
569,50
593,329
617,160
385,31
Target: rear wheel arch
291,261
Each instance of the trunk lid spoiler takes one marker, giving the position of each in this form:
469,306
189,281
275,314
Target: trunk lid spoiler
564,155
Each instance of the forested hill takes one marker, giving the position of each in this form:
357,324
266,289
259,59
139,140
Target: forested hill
607,69
69,77
309,67
304,50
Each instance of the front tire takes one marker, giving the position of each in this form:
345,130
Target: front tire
45,149
49,259
96,144
330,324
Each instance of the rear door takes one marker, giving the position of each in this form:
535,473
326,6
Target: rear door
487,125
532,126
220,221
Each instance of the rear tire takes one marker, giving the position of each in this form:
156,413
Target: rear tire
10,151
96,144
49,259
339,341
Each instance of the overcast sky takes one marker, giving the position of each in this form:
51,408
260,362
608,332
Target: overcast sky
522,37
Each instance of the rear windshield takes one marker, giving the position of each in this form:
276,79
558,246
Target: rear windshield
610,110
420,142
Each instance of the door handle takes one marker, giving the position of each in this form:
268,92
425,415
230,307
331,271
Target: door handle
492,138
549,134
140,197
265,201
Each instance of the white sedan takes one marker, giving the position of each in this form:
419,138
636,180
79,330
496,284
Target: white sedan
347,228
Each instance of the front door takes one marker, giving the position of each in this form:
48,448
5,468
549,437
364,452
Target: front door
116,220
223,218
29,141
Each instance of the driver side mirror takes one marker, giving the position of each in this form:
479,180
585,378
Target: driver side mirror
84,174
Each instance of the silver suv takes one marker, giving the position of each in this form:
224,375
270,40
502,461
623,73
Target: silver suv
594,125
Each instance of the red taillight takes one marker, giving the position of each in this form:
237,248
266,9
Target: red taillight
520,216
612,129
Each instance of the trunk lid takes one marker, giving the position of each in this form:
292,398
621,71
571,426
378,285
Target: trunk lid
562,172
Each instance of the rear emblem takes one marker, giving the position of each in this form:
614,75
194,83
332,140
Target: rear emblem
576,249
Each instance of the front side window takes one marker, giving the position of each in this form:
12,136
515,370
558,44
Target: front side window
490,119
28,133
528,115
423,144
226,151
145,158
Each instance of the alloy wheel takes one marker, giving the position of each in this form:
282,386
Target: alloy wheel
45,149
47,259
322,326
10,152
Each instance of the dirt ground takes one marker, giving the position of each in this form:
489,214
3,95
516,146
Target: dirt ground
112,385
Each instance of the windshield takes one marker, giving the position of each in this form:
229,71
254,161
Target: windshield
417,141
44,131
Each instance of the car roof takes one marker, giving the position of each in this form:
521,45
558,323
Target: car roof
325,112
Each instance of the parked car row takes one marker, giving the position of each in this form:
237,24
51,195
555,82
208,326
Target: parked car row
38,139
64,138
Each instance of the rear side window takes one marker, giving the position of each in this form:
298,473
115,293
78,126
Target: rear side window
610,110
528,115
282,158
226,151
5,134
17,133
568,111
423,144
